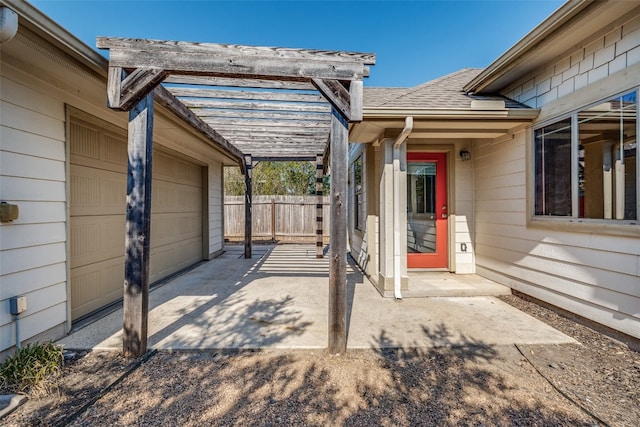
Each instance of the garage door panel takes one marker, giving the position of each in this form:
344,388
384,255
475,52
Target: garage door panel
96,238
96,285
97,192
173,197
172,169
164,228
90,146
98,205
174,257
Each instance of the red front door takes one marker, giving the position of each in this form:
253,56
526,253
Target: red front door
427,210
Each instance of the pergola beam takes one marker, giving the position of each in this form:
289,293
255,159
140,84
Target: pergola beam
263,115
341,98
228,60
125,91
211,68
257,106
239,82
201,93
165,98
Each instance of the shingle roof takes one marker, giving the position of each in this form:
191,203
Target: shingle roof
442,93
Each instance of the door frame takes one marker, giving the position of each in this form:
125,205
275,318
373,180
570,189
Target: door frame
444,257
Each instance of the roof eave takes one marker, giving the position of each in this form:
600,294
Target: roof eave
509,59
51,31
425,114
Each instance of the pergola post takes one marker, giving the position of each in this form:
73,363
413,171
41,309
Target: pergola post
138,228
319,206
247,205
338,238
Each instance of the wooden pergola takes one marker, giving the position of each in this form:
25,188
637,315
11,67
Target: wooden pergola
253,103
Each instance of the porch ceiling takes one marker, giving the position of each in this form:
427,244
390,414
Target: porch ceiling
262,101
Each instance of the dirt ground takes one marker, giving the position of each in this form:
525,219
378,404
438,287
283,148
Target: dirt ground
591,383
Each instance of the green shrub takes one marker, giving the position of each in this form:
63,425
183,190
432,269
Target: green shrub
32,369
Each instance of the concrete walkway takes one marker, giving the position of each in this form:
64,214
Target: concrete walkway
279,300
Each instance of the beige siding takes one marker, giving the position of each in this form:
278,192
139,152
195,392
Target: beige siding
32,176
216,200
595,276
606,54
462,188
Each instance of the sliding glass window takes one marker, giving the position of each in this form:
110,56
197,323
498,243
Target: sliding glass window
586,164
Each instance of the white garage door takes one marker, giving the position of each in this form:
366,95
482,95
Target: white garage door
97,201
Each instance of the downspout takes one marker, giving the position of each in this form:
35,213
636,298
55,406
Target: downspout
408,127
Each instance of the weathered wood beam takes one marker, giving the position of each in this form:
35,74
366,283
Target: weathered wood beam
185,62
239,82
166,99
338,236
336,94
257,159
278,140
248,176
326,156
264,124
266,150
255,132
138,229
257,106
203,112
246,95
356,99
227,50
319,206
125,91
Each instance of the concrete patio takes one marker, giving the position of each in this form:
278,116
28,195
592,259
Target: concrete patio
278,299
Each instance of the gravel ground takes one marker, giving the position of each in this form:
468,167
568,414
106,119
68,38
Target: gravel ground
586,384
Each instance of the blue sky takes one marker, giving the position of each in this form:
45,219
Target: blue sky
414,41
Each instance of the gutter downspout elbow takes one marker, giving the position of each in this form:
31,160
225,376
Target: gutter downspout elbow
8,24
408,127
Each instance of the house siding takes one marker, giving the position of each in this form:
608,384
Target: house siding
464,206
606,55
593,275
32,176
216,201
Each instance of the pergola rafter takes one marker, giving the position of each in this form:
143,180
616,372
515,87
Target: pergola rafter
254,103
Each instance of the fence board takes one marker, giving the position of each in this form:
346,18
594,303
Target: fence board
294,218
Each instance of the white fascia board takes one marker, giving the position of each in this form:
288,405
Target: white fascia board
515,113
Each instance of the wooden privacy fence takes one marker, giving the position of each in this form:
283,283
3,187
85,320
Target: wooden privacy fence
278,218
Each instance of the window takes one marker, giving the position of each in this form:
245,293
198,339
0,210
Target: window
359,214
586,165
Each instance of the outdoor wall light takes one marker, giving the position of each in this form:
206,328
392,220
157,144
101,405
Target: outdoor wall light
465,155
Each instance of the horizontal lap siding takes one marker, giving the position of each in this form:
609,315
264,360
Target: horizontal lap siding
216,223
595,276
464,212
32,176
